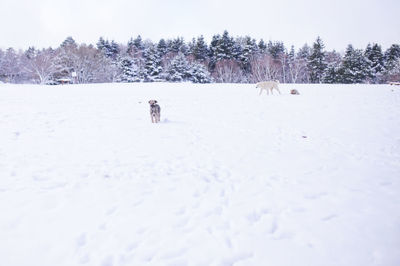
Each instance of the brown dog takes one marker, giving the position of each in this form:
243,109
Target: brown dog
294,92
154,111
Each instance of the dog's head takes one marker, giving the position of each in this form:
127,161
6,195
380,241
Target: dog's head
152,102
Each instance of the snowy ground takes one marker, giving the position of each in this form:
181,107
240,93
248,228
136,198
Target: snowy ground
227,178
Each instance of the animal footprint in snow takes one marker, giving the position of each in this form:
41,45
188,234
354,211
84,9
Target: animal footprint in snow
81,240
182,222
180,211
313,196
215,211
108,261
253,217
132,246
84,259
111,210
329,217
235,258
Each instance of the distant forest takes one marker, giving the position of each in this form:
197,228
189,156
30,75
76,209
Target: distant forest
225,59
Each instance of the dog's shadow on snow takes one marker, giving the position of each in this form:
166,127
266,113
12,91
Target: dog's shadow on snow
167,121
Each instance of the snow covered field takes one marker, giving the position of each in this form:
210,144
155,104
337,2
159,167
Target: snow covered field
227,178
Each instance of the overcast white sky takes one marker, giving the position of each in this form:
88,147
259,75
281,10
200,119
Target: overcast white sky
44,23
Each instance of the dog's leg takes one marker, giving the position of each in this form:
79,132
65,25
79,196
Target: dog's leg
260,91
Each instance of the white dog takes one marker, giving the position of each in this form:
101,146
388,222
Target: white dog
268,86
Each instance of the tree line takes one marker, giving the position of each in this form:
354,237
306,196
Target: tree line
224,60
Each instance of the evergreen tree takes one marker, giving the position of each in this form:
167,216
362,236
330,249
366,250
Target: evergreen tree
200,50
332,72
222,48
66,60
110,50
162,48
138,43
391,57
135,47
392,63
213,51
191,47
152,65
276,49
249,49
114,49
213,45
69,42
178,45
199,73
375,62
179,70
316,61
394,73
302,63
31,53
291,54
101,44
354,68
130,47
262,47
304,52
237,50
1,59
128,71
225,47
